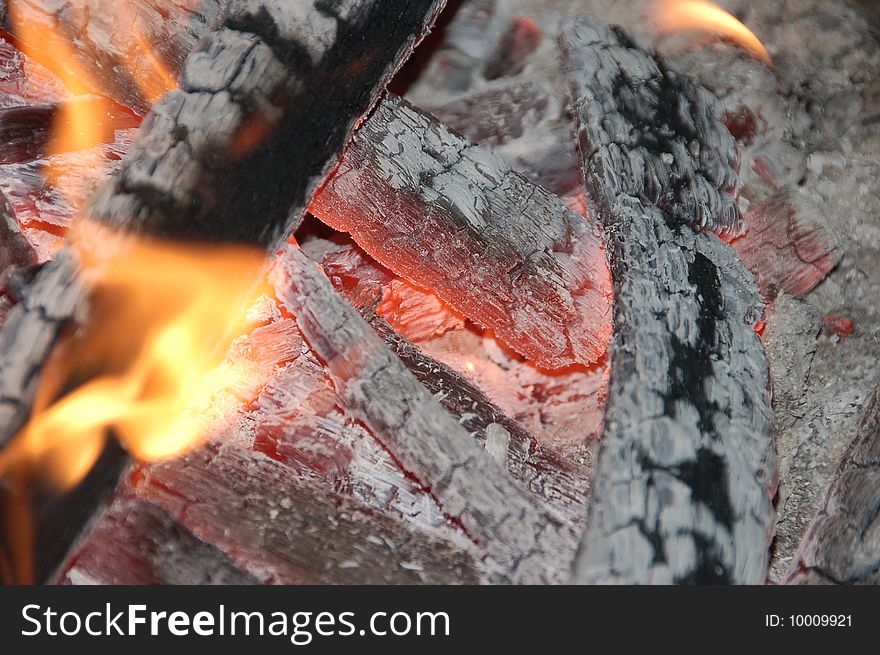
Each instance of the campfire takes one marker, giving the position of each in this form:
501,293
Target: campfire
414,291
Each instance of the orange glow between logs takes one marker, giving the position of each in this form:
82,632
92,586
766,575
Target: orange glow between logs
672,16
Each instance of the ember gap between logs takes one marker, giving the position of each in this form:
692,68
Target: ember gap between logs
413,291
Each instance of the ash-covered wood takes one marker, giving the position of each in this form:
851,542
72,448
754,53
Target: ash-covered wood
123,46
687,468
452,217
241,515
522,541
842,544
261,116
560,483
652,133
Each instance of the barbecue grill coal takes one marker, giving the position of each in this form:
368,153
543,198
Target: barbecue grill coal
546,284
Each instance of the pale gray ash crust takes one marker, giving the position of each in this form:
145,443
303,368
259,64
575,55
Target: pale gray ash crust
686,471
453,217
818,129
522,541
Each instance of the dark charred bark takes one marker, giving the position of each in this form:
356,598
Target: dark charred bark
521,541
686,472
842,544
452,217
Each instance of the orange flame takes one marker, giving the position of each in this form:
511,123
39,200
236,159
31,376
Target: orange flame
679,15
162,318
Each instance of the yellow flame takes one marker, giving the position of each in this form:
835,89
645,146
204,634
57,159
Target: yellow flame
79,124
679,15
162,318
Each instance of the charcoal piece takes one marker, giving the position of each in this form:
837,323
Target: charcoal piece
683,485
450,216
842,544
783,250
135,542
650,132
26,131
15,251
522,541
451,63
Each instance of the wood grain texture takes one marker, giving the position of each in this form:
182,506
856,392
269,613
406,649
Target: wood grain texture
686,471
452,217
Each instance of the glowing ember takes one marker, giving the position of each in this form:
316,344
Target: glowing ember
161,320
680,15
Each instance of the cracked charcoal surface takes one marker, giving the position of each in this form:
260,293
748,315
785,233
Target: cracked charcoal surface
687,468
452,217
522,541
289,529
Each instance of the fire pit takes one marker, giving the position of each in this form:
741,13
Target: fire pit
485,291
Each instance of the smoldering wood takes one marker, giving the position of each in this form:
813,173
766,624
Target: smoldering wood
522,541
686,470
521,38
288,529
560,483
842,544
213,159
784,248
15,251
109,40
451,216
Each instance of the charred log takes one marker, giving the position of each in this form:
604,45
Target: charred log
425,202
214,160
560,483
522,541
288,530
687,467
842,544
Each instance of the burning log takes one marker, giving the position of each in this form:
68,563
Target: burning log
842,544
424,202
213,159
687,467
522,541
